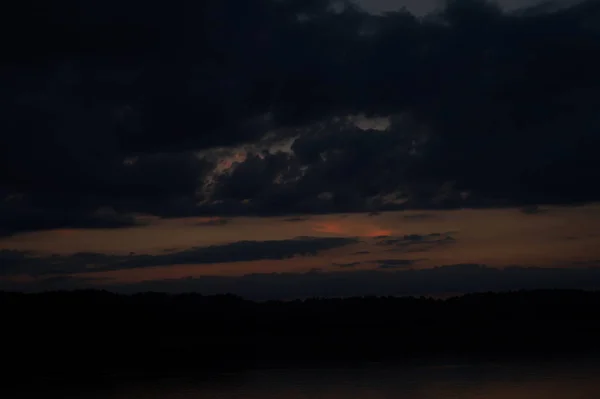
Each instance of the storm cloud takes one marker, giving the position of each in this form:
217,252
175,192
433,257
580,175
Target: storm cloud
119,105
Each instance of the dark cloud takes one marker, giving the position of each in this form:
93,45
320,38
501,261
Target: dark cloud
104,105
416,242
23,263
347,265
381,263
22,218
508,83
296,219
410,239
214,222
396,263
10,260
532,210
68,195
437,281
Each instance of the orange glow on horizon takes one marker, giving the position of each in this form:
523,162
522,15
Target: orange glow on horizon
349,228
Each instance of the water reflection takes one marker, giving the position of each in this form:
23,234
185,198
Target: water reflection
572,380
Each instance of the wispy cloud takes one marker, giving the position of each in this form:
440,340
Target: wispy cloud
416,242
22,263
213,221
297,219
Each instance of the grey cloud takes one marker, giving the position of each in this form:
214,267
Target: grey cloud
410,239
396,263
415,243
296,219
108,108
347,265
16,218
427,156
381,263
422,7
22,263
105,195
214,222
532,210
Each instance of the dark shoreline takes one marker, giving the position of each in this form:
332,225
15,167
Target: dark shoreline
94,333
92,385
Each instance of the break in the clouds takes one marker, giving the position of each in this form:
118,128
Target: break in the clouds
23,263
185,254
285,106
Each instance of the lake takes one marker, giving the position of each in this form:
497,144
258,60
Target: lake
440,380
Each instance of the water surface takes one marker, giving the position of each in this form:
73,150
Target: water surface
442,380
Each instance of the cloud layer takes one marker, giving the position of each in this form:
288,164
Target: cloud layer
123,106
23,263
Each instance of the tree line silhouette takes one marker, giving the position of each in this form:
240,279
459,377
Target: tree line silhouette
90,332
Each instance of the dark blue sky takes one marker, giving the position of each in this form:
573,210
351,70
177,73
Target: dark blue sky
425,6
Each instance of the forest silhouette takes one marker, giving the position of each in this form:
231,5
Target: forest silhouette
94,332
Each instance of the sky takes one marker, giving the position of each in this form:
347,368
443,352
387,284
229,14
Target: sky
285,148
423,7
